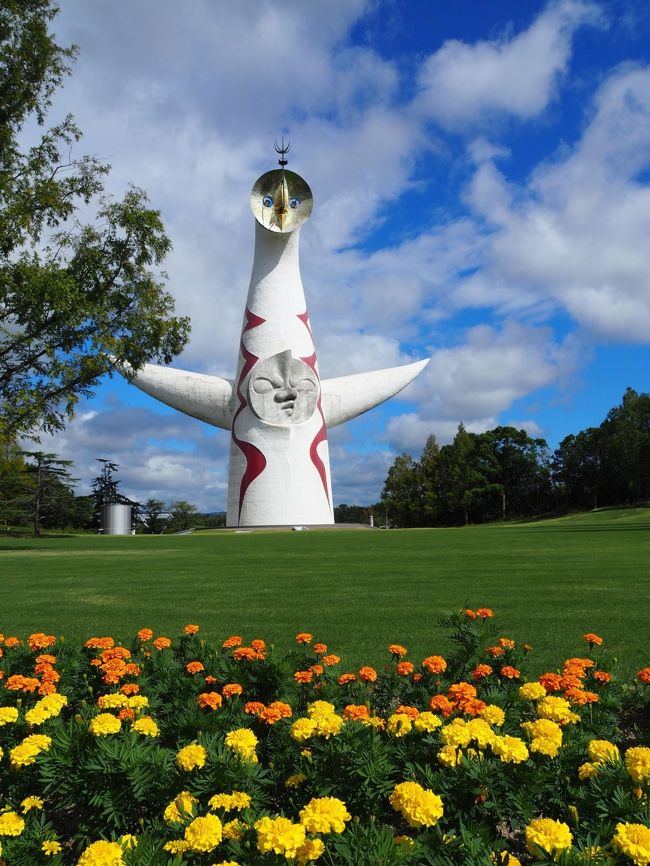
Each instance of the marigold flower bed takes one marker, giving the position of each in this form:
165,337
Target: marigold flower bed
167,751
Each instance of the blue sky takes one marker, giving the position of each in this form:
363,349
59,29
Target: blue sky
481,178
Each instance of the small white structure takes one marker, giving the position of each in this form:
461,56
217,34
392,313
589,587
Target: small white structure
116,519
277,407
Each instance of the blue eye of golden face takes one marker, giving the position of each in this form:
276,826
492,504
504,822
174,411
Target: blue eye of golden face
294,202
267,201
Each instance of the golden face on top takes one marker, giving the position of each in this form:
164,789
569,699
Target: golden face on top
281,201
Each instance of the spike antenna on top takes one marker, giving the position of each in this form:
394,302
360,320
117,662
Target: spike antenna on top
282,149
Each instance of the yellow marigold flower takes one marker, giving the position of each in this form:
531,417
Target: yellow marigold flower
456,734
128,841
634,841
25,752
545,746
448,756
503,858
637,764
102,854
11,824
190,757
8,715
51,847
324,815
427,722
181,808
531,691
511,750
303,729
233,829
295,780
104,724
176,846
549,835
311,849
31,803
399,725
226,863
587,771
480,732
543,728
602,751
47,708
320,708
279,835
145,726
419,806
493,715
557,709
242,741
138,702
328,726
112,701
236,800
204,834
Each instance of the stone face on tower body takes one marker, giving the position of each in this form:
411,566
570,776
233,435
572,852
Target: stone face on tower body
277,407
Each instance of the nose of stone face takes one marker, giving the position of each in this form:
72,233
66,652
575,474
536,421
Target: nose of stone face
286,394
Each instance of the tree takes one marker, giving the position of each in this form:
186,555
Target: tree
459,476
49,483
73,298
13,475
183,516
428,470
402,493
151,515
105,491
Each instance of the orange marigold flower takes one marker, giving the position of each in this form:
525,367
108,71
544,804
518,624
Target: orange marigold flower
367,674
99,643
481,671
245,652
19,683
579,663
233,640
126,713
253,708
230,690
396,649
116,652
411,712
303,676
320,648
570,681
190,628
602,676
130,689
45,659
506,643
194,667
484,612
471,706
46,689
39,641
274,712
258,644
132,670
344,679
580,697
317,669
441,704
304,637
592,639
416,676
211,700
145,634
510,673
12,641
330,660
470,614
551,681
96,663
494,651
434,664
643,675
404,668
356,712
461,691
162,643
210,680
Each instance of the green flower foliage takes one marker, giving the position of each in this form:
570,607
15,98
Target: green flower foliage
443,762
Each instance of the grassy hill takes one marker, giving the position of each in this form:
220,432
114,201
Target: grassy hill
547,582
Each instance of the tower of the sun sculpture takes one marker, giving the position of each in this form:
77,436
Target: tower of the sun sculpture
277,408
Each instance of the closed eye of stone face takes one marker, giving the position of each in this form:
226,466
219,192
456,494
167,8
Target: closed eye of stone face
265,386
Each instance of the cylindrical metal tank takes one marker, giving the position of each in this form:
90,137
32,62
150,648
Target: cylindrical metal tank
116,519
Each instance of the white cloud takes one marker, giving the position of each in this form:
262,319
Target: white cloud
462,85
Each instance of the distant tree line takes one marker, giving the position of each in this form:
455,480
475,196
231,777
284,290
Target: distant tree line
506,474
37,490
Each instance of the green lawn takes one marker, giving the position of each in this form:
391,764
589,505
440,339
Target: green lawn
356,590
